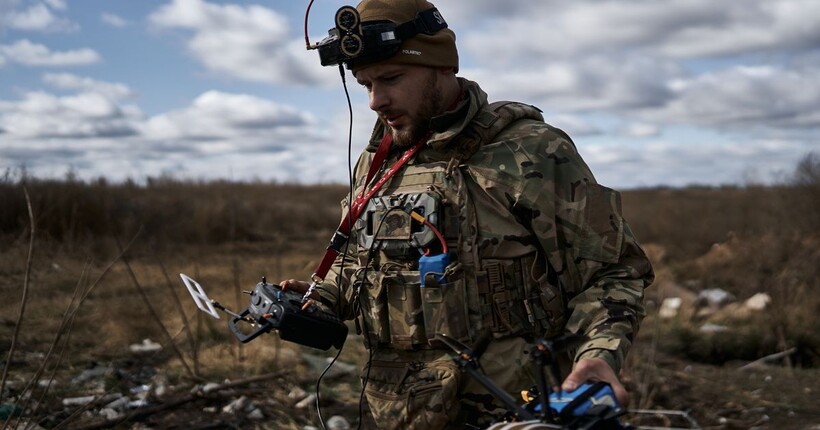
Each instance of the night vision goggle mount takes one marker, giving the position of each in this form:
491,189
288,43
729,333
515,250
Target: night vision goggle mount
353,41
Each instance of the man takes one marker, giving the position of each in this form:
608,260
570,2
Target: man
476,217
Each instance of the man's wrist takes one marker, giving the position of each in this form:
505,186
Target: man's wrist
612,358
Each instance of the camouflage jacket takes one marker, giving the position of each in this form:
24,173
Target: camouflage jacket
525,172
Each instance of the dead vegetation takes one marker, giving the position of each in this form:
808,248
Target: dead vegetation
87,304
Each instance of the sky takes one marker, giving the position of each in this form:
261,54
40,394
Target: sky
652,92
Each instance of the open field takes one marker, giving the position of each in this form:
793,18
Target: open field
89,306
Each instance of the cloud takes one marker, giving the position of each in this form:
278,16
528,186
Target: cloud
39,17
714,160
622,77
113,20
83,115
640,129
745,96
246,42
218,134
675,28
573,125
70,81
586,83
33,54
719,65
57,4
226,117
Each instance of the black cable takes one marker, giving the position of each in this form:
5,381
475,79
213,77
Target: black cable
318,383
370,253
338,297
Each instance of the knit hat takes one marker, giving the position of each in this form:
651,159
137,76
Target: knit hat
437,50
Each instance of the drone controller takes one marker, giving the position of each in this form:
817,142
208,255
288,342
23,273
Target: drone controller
270,308
274,308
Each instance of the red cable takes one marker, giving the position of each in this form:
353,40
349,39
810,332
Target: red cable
439,235
307,12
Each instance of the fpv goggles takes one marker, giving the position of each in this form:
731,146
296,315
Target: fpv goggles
354,42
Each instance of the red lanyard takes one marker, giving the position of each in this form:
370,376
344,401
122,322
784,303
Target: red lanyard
343,232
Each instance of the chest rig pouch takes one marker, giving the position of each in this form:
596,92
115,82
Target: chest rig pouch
398,310
386,224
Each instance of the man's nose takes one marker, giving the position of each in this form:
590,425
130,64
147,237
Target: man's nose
378,99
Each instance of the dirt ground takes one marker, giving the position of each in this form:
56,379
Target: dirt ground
94,376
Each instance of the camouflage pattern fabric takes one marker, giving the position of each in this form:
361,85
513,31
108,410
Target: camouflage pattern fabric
526,211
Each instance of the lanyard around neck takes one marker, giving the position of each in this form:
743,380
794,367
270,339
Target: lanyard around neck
343,232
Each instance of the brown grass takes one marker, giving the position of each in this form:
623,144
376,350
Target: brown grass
228,235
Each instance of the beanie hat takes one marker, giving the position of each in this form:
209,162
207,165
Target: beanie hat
437,50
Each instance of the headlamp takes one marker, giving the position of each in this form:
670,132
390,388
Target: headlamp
352,41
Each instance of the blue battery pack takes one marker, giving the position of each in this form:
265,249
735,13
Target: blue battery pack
590,394
434,264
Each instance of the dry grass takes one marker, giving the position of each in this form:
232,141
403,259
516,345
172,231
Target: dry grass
227,236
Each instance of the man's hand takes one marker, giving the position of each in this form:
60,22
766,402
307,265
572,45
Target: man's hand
595,369
298,286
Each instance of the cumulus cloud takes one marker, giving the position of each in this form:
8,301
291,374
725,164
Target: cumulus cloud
594,82
640,129
39,17
113,20
713,160
217,135
745,96
70,81
57,4
217,115
246,42
83,115
648,63
674,92
573,124
34,54
677,28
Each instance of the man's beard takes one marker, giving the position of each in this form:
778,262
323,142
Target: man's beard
430,107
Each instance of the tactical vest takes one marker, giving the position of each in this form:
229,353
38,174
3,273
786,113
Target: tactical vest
509,292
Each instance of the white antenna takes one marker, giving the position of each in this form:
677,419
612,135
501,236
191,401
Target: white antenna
201,299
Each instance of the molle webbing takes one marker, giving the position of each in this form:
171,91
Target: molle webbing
504,287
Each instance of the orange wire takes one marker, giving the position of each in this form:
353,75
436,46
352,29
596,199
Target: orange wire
418,217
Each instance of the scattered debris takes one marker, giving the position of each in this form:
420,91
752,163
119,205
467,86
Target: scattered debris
147,345
715,298
758,302
110,414
670,307
306,402
713,328
118,404
297,393
9,410
96,372
78,401
256,414
243,406
338,422
761,362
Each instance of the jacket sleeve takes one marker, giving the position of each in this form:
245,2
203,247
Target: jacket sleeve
601,269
